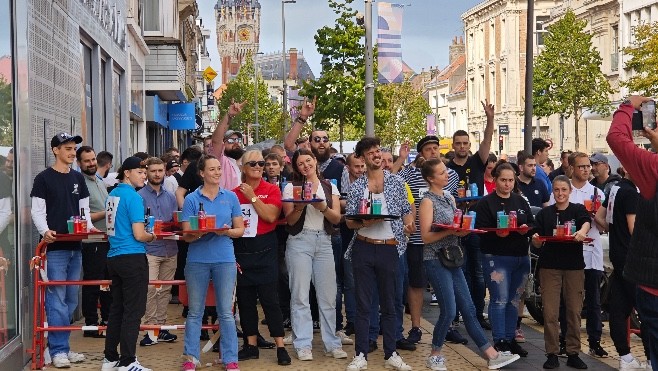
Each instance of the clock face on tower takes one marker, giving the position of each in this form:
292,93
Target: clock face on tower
244,34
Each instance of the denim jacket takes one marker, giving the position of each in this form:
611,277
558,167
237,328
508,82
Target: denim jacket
396,200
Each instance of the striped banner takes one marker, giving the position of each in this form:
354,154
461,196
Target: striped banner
431,124
389,39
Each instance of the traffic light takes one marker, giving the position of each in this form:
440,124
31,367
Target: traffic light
500,143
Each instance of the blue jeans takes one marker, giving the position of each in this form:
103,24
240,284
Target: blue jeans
647,308
473,272
61,301
309,256
452,293
400,289
506,277
197,278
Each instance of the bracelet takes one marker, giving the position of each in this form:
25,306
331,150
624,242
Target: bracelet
300,119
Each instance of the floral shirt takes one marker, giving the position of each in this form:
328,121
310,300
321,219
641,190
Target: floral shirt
396,200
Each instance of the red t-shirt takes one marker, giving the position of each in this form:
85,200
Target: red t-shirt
490,186
270,195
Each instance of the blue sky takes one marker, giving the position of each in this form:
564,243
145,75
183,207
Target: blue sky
428,28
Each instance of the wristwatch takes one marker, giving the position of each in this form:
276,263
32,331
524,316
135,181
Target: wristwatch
253,199
627,101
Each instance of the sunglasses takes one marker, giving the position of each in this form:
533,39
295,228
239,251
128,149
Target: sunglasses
320,139
254,163
232,140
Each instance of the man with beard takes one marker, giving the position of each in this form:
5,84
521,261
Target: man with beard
227,147
603,177
94,254
160,254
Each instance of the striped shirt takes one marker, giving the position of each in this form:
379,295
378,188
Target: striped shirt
419,186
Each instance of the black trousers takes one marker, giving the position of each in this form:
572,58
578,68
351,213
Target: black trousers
94,267
180,265
375,268
130,276
267,294
283,285
621,302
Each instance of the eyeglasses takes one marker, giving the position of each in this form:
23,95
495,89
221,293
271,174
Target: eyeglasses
254,163
232,140
320,139
584,167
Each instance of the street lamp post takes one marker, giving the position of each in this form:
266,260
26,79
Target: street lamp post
529,54
369,84
256,124
284,104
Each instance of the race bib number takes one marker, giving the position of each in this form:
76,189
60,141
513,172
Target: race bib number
250,220
110,213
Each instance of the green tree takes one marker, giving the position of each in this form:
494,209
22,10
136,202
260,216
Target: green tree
407,112
644,60
567,75
241,89
6,114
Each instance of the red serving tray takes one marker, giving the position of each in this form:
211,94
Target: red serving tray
160,235
80,236
458,229
561,239
517,230
202,230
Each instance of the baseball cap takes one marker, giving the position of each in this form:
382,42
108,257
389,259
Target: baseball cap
171,164
129,164
231,132
598,157
427,140
64,137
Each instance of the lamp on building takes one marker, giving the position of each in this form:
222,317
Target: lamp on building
284,104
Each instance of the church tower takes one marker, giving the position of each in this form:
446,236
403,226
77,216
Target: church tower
238,33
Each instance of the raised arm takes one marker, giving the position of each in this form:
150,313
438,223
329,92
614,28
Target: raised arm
234,109
485,145
307,109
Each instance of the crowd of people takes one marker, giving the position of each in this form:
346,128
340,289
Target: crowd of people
321,265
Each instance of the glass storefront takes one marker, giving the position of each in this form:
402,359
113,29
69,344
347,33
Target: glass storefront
8,256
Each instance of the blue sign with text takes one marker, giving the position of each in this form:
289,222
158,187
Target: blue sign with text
182,116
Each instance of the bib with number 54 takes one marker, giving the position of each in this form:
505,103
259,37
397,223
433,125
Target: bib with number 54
250,220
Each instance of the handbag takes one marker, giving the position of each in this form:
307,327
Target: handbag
452,256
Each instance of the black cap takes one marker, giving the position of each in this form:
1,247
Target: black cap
427,140
171,164
129,164
64,137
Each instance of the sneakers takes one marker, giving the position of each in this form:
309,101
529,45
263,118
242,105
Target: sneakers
595,350
372,346
453,336
484,323
414,335
503,359
147,341
563,350
233,366
405,344
61,360
248,352
166,336
264,344
282,357
135,366
188,366
305,354
574,361
436,363
434,302
395,362
349,329
344,339
515,348
75,357
316,326
287,324
109,365
288,339
551,362
337,353
519,336
358,363
634,364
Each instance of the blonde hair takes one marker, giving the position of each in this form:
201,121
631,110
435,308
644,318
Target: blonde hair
246,157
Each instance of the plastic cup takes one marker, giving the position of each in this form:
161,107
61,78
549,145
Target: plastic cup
69,224
177,215
561,230
588,205
461,192
194,223
157,226
211,221
466,221
377,208
297,192
504,221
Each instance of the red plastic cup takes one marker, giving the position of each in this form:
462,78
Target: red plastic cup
210,221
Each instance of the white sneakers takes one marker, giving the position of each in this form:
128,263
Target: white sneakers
337,353
304,354
61,360
395,362
358,363
344,339
135,366
436,363
632,365
503,359
75,357
288,339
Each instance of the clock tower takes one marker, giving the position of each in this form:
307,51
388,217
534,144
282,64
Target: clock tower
238,33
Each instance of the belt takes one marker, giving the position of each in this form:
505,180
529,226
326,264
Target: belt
390,241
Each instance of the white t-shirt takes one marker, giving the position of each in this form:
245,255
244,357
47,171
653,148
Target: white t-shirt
170,184
314,219
382,230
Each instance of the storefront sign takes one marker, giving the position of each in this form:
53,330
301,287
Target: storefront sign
182,116
111,19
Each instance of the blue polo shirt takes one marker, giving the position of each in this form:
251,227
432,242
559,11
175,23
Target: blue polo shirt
212,248
124,207
162,206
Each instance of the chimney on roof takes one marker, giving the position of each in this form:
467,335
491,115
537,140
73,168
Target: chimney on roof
293,63
456,49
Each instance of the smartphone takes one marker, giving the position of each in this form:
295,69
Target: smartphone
645,117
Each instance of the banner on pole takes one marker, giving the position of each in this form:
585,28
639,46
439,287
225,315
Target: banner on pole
389,43
431,124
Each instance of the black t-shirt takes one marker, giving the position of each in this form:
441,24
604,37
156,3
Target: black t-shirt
535,192
514,244
191,180
62,193
566,256
555,173
473,169
334,171
623,201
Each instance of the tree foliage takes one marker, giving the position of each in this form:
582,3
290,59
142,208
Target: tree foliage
567,74
241,89
407,112
644,60
6,113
